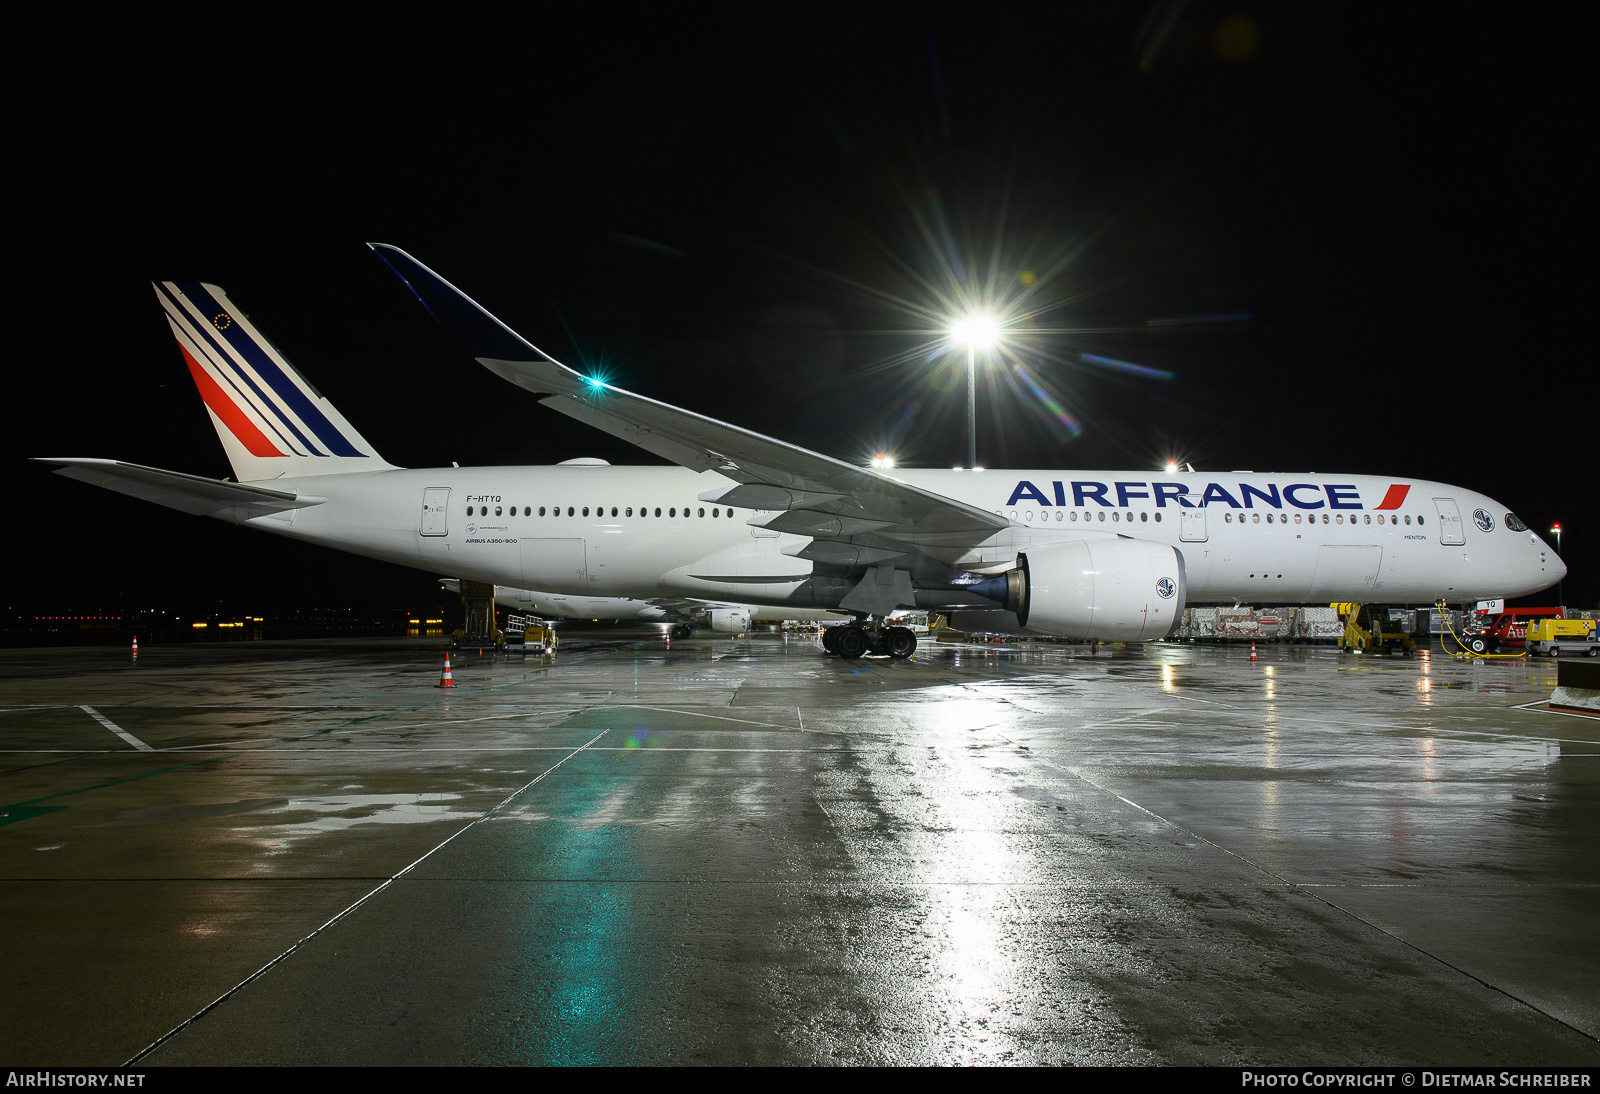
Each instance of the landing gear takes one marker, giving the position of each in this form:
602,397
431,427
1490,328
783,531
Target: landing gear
902,642
852,640
682,630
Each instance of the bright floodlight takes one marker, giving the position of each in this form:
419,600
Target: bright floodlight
976,331
1172,468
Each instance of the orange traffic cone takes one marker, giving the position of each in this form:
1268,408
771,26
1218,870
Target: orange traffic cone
445,681
1252,651
136,645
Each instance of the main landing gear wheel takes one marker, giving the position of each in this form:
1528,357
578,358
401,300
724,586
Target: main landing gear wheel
902,642
850,643
1478,645
830,639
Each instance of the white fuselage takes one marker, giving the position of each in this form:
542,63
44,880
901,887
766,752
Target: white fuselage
595,531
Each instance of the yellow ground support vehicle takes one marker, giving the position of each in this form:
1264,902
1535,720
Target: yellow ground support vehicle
1563,638
1364,630
539,638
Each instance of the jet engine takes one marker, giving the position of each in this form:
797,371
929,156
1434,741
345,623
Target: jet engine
1113,590
730,620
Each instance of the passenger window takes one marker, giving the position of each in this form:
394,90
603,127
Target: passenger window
1419,520
658,510
1059,516
1408,520
1102,515
1114,517
569,510
672,512
1228,519
629,511
1297,518
541,510
469,510
585,510
1255,518
716,513
1158,518
702,511
497,510
1324,518
613,510
1368,518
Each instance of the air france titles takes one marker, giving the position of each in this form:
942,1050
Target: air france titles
1122,495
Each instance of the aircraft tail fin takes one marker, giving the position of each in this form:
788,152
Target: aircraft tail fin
271,421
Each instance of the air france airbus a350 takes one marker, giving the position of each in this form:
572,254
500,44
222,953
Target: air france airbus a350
748,519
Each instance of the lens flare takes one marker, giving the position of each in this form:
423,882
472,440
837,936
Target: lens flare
1126,366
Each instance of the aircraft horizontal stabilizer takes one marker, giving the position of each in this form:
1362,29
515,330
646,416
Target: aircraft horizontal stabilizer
189,493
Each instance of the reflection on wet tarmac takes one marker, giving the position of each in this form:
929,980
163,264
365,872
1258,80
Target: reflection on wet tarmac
742,851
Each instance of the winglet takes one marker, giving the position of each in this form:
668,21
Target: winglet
473,328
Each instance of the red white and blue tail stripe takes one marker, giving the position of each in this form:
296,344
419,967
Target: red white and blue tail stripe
271,421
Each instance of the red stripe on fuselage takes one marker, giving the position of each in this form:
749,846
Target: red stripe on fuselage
254,441
1395,498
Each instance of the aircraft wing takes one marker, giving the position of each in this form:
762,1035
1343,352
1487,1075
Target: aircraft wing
189,493
854,515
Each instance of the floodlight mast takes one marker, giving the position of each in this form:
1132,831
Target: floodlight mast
974,331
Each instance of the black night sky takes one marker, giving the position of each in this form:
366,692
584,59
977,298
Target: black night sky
746,215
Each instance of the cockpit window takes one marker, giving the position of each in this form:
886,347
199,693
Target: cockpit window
1514,524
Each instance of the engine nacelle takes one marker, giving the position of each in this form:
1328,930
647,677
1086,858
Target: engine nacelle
730,620
1111,590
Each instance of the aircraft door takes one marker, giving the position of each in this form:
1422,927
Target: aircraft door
435,511
1192,525
1449,521
554,565
1345,571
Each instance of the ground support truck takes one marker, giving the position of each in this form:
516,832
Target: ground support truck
1563,638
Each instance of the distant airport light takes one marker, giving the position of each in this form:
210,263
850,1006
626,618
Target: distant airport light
880,460
1172,468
